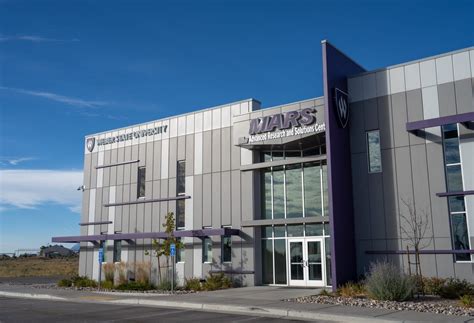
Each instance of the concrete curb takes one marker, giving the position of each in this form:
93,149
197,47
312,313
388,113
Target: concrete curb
211,307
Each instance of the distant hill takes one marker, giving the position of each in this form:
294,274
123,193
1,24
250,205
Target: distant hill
76,247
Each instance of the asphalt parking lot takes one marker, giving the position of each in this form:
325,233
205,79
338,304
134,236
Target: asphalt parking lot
29,310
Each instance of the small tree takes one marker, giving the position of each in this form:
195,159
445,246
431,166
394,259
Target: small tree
164,248
415,233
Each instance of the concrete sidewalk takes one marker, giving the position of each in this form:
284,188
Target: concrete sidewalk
260,300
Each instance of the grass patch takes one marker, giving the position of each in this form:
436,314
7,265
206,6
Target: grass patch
38,267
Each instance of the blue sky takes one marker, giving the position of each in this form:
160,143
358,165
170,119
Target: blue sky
70,68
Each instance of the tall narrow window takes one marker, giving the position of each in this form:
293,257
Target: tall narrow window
454,183
207,250
181,177
180,204
226,249
373,151
117,250
141,182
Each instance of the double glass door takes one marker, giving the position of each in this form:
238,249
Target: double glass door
306,262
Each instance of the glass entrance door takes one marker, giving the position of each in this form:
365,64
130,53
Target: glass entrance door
306,262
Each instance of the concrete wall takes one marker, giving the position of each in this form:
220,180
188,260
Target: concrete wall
412,166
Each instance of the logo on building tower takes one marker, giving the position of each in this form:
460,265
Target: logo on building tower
90,144
342,107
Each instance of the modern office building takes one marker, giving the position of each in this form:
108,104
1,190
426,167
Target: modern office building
302,194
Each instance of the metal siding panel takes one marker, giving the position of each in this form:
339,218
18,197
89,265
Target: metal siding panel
377,217
207,200
98,209
120,169
157,160
118,209
113,170
198,153
216,150
127,168
207,152
446,99
404,180
226,198
390,196
172,192
216,200
149,161
189,203
93,170
106,179
357,128
235,195
235,154
461,66
371,121
247,195
163,205
87,170
173,157
155,221
197,202
189,155
464,96
385,123
225,149
165,158
412,77
444,70
181,148
397,80
361,200
134,166
415,113
399,114
428,73
104,210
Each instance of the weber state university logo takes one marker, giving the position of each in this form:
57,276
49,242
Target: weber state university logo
342,107
90,144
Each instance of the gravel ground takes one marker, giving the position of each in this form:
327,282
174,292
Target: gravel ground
95,289
426,304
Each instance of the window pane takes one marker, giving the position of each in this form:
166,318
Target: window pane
266,194
267,262
267,156
294,198
459,234
278,193
279,231
117,251
207,250
277,155
312,189
454,178
267,231
292,154
451,150
181,177
325,190
141,182
373,149
311,152
280,261
456,204
180,214
295,230
314,229
226,249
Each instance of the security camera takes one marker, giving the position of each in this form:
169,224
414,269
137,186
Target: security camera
81,188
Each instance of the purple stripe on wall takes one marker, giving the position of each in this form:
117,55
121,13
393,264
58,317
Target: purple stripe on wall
422,252
458,193
336,68
436,122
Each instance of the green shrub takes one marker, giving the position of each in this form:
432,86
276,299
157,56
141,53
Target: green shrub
65,283
324,292
455,288
433,285
217,281
351,289
192,284
109,269
165,284
135,286
83,281
386,282
107,284
467,301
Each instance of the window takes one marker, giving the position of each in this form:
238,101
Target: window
180,205
207,250
180,252
226,249
181,177
117,250
294,196
454,183
141,182
373,151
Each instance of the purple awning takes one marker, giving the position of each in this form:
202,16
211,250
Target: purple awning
458,193
422,252
149,235
467,118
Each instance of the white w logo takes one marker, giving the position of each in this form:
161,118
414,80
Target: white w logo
342,106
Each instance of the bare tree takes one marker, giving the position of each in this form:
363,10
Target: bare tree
414,233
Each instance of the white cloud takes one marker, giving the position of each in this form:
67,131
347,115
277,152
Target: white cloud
34,39
27,189
14,161
59,98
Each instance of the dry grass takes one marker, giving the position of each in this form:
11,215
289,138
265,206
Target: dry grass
38,267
